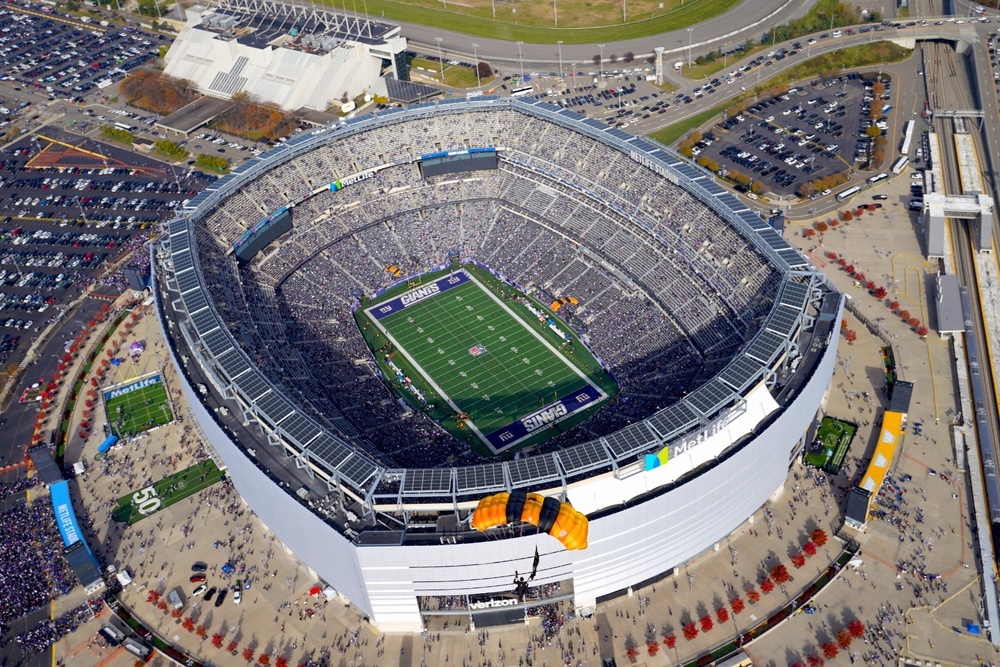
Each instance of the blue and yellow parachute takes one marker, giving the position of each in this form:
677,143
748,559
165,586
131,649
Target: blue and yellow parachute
556,518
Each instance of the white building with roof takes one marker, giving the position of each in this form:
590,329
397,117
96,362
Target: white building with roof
297,57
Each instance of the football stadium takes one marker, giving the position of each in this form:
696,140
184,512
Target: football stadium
441,345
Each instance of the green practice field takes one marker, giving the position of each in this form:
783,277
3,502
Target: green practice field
486,368
164,493
833,439
139,410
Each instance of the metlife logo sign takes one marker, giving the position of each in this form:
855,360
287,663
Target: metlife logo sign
129,388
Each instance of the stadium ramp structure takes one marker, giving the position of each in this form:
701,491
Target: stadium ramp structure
893,423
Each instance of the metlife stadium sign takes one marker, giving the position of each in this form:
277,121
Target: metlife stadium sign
135,386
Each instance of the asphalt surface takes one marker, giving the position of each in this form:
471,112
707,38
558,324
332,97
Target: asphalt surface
750,18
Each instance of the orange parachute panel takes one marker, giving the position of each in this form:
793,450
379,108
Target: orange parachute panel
570,527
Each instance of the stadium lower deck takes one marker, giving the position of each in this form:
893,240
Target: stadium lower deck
483,360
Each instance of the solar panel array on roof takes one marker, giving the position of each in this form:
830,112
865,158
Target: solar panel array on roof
674,419
233,364
217,342
783,320
793,258
182,260
187,281
358,469
252,386
732,202
710,397
581,457
205,322
180,242
794,295
630,440
196,302
765,346
435,481
276,407
532,469
742,372
473,479
299,429
713,189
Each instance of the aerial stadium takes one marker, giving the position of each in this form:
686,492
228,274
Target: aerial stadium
473,356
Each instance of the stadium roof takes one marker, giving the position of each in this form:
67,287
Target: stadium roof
339,462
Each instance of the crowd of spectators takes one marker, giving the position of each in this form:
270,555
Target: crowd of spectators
667,290
33,570
139,261
8,489
50,631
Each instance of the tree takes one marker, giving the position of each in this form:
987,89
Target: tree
670,641
850,269
780,574
706,623
737,606
850,335
913,322
201,631
631,653
597,60
653,647
846,216
690,631
844,638
798,560
815,661
188,624
766,585
922,331
809,233
232,647
809,548
176,613
248,654
822,227
217,640
485,71
628,57
830,650
893,306
856,628
870,285
904,314
281,661
264,659
722,614
753,595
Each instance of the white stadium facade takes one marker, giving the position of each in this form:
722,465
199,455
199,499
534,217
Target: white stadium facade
711,322
295,56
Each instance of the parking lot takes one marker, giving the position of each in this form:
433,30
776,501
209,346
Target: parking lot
807,134
65,58
68,214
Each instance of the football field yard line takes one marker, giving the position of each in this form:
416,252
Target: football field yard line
483,369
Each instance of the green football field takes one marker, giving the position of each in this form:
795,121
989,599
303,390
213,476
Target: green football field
833,439
164,493
482,353
139,410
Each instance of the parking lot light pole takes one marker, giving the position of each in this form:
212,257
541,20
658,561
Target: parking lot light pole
521,59
559,44
690,37
440,58
475,51
601,66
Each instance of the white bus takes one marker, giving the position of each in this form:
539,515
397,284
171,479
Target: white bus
907,137
848,193
878,177
900,164
522,91
123,126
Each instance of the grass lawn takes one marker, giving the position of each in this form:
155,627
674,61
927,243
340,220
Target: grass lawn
592,21
139,410
456,76
833,440
164,493
671,133
477,359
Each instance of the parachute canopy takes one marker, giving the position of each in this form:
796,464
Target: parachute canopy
556,518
